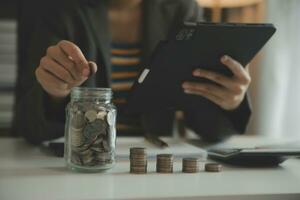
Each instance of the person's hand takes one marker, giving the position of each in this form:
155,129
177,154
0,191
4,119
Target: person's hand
62,68
229,92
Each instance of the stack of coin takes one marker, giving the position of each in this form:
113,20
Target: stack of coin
190,165
164,163
138,160
213,167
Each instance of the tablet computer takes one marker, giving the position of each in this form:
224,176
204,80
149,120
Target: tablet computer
190,46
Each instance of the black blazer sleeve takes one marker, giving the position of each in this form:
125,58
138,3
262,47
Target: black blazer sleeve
36,118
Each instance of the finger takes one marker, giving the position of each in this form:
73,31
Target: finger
74,53
215,77
60,57
215,90
247,68
236,68
208,96
57,70
93,67
48,81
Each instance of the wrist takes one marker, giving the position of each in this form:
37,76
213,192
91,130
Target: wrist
57,99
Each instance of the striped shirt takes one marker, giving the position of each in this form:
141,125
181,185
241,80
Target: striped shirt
125,59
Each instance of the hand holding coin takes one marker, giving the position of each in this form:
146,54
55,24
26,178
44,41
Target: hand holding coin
62,68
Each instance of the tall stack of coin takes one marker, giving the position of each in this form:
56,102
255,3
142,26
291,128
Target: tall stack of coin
164,163
138,160
190,165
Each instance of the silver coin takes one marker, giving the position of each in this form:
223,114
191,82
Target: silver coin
91,115
98,141
138,170
190,169
77,121
137,150
159,170
86,153
190,165
138,163
83,147
110,118
106,146
97,149
164,157
77,138
92,130
75,158
101,115
87,160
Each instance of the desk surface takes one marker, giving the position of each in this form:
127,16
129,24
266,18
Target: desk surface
28,172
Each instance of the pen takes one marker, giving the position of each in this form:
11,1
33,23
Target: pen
156,141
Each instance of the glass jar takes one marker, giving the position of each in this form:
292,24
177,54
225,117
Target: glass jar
90,130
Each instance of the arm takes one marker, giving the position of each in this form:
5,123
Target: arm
31,120
227,110
214,124
49,71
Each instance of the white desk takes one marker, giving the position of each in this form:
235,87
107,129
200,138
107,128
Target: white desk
28,172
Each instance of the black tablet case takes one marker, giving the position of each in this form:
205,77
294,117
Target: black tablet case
191,46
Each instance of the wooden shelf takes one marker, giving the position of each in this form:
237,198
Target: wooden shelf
228,3
247,7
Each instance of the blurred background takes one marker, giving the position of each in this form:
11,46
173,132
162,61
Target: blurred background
275,89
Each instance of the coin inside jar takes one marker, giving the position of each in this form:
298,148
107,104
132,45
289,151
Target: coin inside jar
110,118
92,130
101,115
78,121
91,115
90,134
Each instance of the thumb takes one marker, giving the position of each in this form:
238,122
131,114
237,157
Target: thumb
93,67
88,72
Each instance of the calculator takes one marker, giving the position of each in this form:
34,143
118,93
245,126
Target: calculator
256,157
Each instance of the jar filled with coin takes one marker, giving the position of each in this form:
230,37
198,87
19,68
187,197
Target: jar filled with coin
90,130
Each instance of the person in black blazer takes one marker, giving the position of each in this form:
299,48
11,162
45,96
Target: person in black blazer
72,40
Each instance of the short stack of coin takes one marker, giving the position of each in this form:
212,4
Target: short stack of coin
164,163
190,165
213,167
138,160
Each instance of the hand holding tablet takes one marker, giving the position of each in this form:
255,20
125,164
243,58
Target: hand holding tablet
229,92
189,62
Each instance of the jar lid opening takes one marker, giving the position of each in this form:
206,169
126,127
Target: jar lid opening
91,92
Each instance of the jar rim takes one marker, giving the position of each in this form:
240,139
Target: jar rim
91,92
